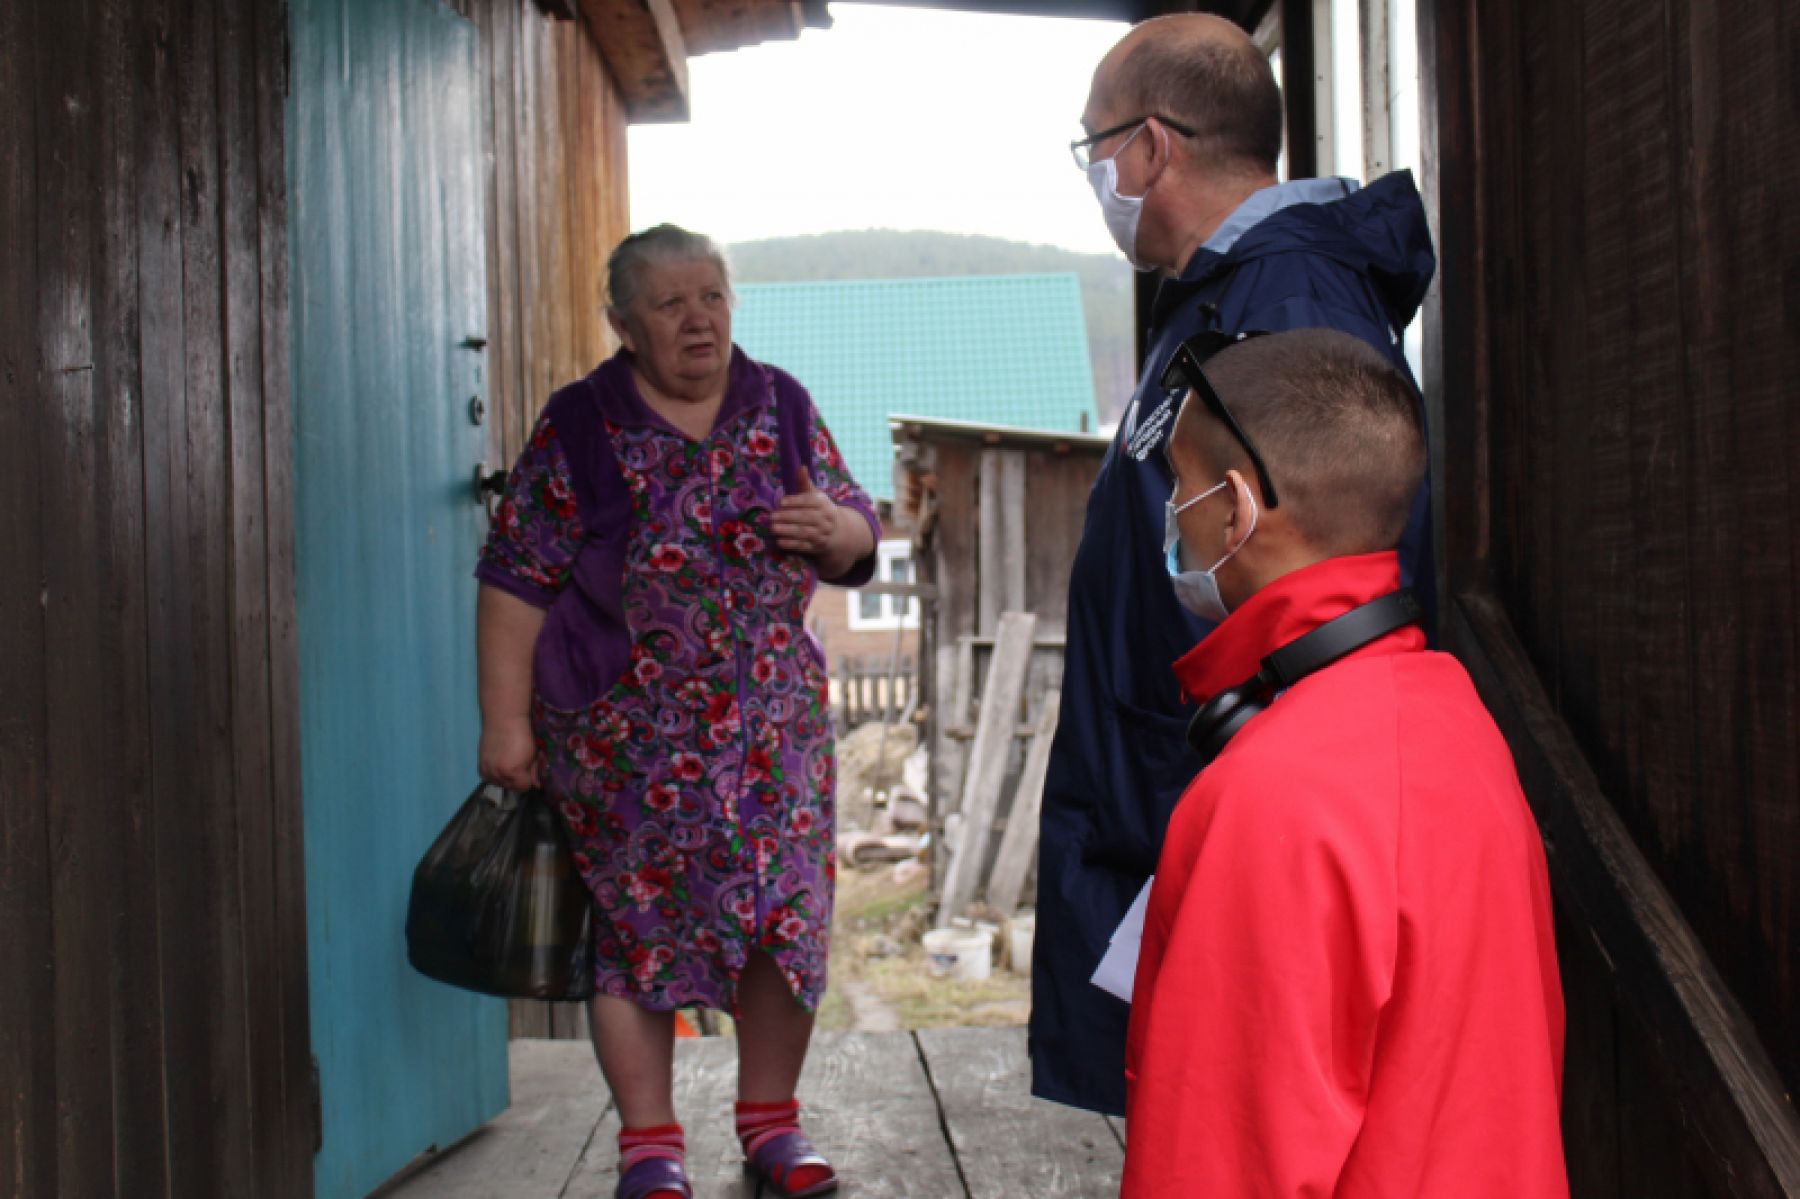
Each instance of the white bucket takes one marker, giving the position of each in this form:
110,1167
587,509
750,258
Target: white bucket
1020,932
966,955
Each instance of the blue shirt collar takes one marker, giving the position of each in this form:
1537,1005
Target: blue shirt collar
1270,200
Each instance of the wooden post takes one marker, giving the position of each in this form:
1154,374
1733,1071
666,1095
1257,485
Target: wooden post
990,538
963,694
1019,843
987,759
889,709
961,689
1012,531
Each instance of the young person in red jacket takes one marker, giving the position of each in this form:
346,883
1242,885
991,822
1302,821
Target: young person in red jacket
1347,984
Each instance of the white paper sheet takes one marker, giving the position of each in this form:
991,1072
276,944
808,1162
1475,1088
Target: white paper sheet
1117,971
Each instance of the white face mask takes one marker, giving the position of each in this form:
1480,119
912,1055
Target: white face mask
1198,590
1122,213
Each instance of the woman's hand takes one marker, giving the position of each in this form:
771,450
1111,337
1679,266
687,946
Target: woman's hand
809,523
806,522
509,755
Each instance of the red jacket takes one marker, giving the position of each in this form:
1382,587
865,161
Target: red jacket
1348,981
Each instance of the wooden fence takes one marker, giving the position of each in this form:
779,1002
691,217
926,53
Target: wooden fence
872,688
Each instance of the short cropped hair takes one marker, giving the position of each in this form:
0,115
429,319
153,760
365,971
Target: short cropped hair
658,244
1226,94
1337,425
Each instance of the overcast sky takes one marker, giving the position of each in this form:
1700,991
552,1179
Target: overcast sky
894,118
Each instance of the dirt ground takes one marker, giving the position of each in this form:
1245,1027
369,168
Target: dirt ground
879,976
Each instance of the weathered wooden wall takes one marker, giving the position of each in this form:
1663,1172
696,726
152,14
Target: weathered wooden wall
557,203
153,999
1613,358
153,1003
1008,521
1643,355
1004,521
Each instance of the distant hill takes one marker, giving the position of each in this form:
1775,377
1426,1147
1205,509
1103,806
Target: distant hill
891,254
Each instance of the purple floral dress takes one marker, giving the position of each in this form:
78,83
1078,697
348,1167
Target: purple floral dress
680,701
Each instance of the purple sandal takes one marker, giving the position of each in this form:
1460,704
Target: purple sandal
776,1159
651,1175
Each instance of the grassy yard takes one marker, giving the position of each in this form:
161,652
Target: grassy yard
875,954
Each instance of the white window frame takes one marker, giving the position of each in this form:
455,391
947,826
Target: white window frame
897,611
1365,96
1365,86
1390,101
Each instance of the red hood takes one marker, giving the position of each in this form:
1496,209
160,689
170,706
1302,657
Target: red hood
1286,609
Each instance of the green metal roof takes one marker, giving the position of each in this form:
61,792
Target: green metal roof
992,349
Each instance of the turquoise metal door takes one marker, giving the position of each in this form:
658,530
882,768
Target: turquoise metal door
388,292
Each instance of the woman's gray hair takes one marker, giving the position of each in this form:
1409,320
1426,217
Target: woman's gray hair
659,244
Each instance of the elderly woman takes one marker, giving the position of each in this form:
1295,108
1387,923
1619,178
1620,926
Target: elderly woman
644,658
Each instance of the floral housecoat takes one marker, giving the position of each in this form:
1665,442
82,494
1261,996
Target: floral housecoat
680,702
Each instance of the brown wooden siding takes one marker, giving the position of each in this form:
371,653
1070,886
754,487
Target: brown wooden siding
557,203
155,1037
1642,362
1613,370
152,974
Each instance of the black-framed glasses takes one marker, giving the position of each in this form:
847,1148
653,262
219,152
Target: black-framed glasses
1187,370
1080,146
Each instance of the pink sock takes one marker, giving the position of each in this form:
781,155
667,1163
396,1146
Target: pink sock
758,1123
640,1144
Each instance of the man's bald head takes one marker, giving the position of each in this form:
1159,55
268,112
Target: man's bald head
1336,423
1204,72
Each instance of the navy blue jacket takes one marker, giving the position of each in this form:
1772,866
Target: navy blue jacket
1358,261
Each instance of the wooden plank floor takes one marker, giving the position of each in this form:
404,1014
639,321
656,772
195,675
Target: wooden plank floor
937,1114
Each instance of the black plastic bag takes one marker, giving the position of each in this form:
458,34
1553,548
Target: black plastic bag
497,905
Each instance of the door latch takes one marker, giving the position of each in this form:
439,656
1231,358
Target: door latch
489,487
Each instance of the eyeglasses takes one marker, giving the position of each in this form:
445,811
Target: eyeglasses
1185,372
1080,146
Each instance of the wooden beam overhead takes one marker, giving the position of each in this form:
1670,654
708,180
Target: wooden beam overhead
646,55
715,25
1245,12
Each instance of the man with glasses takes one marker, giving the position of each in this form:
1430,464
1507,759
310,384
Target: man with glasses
1348,982
1182,134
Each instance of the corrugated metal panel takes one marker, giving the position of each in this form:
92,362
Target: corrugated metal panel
1006,350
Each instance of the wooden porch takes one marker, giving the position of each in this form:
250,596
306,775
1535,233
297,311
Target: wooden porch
933,1114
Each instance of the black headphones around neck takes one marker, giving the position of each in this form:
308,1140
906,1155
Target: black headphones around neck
1220,718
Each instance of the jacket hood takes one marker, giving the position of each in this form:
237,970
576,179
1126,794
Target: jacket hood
1379,231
